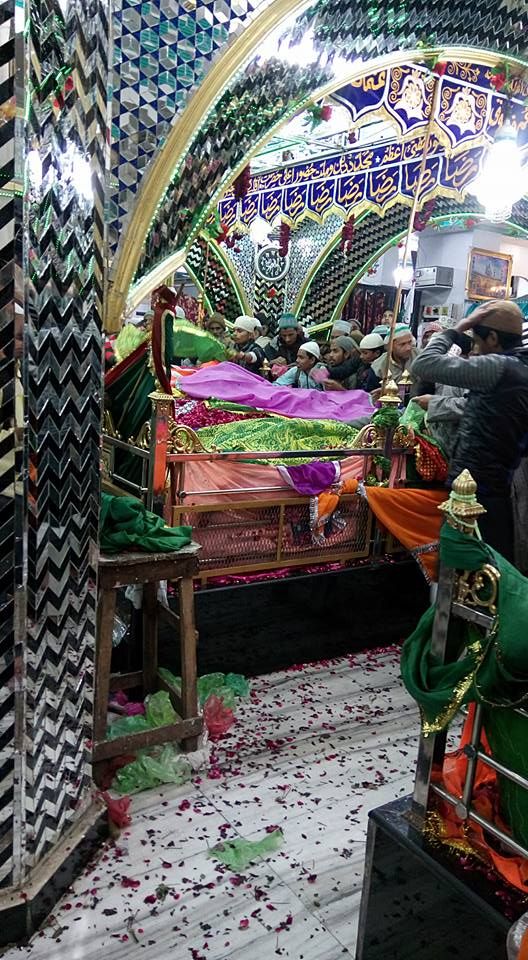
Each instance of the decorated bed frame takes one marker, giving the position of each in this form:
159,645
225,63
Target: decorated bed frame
248,527
252,528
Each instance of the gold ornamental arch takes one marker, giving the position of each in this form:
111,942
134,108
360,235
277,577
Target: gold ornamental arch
123,294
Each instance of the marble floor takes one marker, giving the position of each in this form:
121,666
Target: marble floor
313,750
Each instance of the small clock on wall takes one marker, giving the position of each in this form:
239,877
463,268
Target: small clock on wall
271,265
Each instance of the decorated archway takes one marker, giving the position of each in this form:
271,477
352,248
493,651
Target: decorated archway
183,185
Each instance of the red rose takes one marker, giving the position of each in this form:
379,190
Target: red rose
326,112
440,68
498,80
272,293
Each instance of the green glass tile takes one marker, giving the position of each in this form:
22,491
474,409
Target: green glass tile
186,26
186,51
204,42
149,40
185,75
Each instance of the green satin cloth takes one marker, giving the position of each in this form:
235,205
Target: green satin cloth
125,524
128,339
196,344
276,434
491,670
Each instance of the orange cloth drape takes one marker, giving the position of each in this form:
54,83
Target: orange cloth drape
413,518
514,869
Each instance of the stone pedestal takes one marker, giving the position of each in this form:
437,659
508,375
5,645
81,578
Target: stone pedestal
417,904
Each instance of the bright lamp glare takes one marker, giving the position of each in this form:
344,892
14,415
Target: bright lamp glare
403,274
303,52
82,177
259,232
503,180
34,169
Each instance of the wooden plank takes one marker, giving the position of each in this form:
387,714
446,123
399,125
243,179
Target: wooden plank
125,681
150,636
103,659
188,641
124,746
173,693
145,568
168,616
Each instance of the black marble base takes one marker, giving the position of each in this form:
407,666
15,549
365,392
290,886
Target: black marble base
417,905
23,911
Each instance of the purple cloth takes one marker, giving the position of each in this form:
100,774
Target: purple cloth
311,479
231,383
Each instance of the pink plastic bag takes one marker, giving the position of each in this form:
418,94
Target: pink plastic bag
218,719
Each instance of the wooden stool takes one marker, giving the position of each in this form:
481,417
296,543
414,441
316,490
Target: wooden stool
147,569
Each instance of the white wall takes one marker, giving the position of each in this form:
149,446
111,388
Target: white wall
452,250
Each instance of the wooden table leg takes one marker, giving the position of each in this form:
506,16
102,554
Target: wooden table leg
150,636
105,625
189,689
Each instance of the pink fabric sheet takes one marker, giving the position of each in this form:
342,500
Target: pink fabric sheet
236,476
227,381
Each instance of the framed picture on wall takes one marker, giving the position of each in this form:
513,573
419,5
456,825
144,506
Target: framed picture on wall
488,275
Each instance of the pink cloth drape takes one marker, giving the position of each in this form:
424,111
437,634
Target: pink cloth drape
231,383
235,476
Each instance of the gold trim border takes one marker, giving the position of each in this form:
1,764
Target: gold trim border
164,168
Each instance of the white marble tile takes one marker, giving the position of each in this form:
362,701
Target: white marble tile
312,751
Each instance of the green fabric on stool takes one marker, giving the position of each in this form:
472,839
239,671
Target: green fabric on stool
125,524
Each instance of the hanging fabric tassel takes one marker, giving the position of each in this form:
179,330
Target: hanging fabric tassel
347,235
242,183
421,218
284,239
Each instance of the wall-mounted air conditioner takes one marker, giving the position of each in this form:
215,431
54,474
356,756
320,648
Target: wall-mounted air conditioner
434,277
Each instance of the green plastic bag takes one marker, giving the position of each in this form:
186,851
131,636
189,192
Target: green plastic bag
159,710
239,685
165,765
209,684
414,416
127,725
238,854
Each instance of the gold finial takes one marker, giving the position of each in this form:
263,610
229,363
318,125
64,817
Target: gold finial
265,368
390,396
462,508
406,379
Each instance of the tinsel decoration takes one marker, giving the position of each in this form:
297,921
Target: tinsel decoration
242,183
422,217
317,114
284,239
347,235
500,78
430,464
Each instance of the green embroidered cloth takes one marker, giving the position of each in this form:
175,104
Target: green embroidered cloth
125,524
276,434
491,670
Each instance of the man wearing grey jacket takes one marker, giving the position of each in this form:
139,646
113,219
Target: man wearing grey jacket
493,434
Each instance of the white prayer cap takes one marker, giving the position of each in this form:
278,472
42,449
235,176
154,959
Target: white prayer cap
249,324
372,341
342,326
312,348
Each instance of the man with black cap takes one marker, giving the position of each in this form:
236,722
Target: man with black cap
493,435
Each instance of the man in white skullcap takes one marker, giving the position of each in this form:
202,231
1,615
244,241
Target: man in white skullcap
308,372
402,358
249,354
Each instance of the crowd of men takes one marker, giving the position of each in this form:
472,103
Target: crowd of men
471,380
